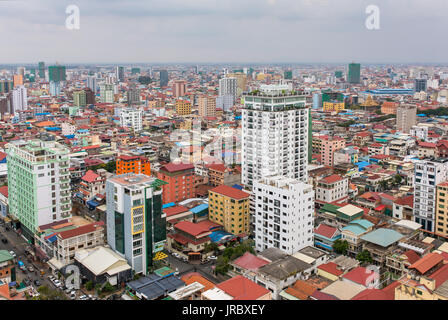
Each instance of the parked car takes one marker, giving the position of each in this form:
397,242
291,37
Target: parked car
30,269
4,240
12,253
37,283
73,296
213,257
83,297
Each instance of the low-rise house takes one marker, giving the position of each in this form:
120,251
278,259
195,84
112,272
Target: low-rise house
325,236
380,243
352,234
153,287
241,288
332,189
7,267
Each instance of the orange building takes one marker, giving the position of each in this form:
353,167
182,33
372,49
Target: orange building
180,182
389,107
18,80
135,164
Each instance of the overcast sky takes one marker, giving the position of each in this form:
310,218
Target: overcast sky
152,31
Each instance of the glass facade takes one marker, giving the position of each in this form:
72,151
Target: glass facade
119,232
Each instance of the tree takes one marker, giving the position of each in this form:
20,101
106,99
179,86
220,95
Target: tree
89,285
340,246
108,287
384,184
364,256
144,80
111,166
397,179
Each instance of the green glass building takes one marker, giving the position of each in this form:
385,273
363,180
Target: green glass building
56,73
354,73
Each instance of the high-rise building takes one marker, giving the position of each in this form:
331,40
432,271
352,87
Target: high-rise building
441,226
183,107
275,134
55,88
181,181
79,98
287,75
179,88
420,85
18,80
41,68
136,226
228,86
241,79
284,210
163,78
428,174
90,96
225,102
133,95
406,118
207,106
135,70
19,99
107,93
354,73
56,73
6,86
131,118
119,73
229,207
38,183
91,83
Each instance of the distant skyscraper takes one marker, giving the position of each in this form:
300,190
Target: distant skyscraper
19,99
91,83
179,88
55,88
164,78
133,95
228,86
56,73
107,93
275,134
131,118
6,86
288,75
420,85
119,74
354,73
207,106
136,225
42,70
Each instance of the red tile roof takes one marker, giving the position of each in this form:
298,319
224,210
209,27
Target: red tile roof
332,179
90,176
326,231
373,294
427,262
4,191
241,288
360,275
194,229
249,261
230,192
331,268
80,230
174,210
174,167
412,256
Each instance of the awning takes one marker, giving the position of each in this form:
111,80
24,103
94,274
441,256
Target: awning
380,208
92,203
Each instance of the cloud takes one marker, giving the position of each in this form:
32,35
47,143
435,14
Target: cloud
230,30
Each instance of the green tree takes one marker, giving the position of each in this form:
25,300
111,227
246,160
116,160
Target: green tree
111,166
108,287
340,246
89,285
364,256
398,179
144,80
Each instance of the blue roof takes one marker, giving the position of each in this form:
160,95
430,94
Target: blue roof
421,115
217,236
199,208
366,224
355,229
167,205
382,237
237,186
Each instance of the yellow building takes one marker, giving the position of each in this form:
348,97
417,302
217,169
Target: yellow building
183,107
333,106
441,227
229,207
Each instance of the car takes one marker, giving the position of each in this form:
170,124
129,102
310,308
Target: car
4,240
90,296
30,269
37,283
68,291
213,257
83,297
73,296
175,254
13,254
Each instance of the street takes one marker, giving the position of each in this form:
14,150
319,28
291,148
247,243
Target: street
185,267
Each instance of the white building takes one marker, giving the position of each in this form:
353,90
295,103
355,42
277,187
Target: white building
284,210
333,188
420,131
275,134
131,118
19,99
228,86
91,83
428,174
55,88
67,129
